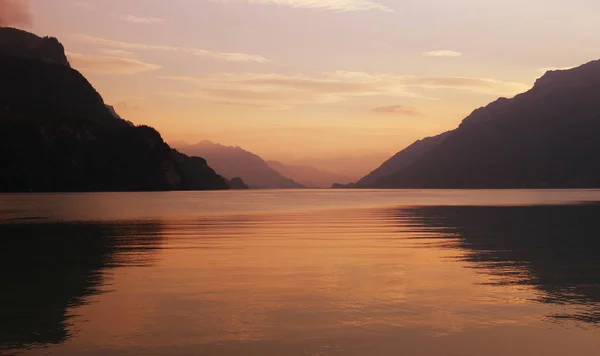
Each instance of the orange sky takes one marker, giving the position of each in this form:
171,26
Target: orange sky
289,79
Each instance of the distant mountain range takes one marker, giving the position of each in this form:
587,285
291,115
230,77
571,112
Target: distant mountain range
352,165
309,176
547,137
231,162
57,134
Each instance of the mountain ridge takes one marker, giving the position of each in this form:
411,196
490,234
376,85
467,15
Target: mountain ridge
234,161
542,138
57,134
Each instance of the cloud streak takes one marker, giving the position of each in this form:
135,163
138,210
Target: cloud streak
117,52
289,91
443,53
396,109
326,5
224,56
109,64
15,13
140,20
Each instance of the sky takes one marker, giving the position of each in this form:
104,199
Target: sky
297,80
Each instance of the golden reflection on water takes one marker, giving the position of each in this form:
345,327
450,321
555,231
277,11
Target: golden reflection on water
376,281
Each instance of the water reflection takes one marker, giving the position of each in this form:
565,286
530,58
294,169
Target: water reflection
379,281
48,269
555,249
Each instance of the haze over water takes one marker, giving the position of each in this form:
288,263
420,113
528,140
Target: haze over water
301,273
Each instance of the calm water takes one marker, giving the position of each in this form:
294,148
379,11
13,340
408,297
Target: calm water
301,273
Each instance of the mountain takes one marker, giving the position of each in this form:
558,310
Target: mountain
546,137
22,44
57,134
403,159
237,183
309,176
233,162
348,165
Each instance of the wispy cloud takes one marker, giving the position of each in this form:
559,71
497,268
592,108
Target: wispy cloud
109,64
443,53
409,83
225,56
397,110
117,52
15,12
328,5
140,20
289,91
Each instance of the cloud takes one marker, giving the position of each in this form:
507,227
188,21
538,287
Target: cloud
224,56
117,52
15,12
397,83
289,91
109,65
480,85
327,5
140,20
396,109
443,53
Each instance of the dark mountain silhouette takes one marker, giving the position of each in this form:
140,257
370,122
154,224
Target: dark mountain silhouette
544,138
309,176
49,269
233,162
22,44
551,248
57,134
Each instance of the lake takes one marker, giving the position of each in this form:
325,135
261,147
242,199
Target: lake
301,272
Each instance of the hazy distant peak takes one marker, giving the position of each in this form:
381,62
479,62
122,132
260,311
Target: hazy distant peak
234,161
207,142
275,164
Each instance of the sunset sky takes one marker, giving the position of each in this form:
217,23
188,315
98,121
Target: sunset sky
291,79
